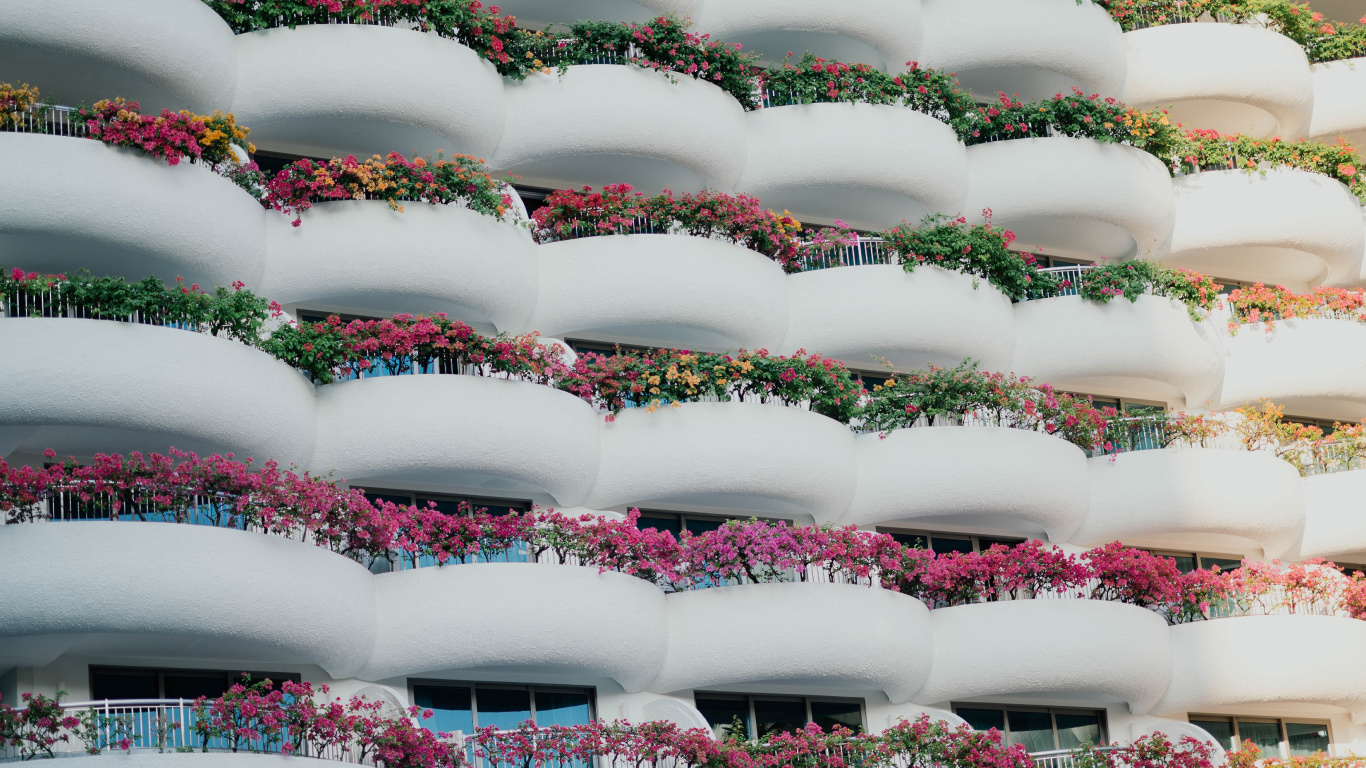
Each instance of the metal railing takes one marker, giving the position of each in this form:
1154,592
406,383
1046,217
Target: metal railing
1060,758
868,250
47,119
1154,14
54,302
1069,277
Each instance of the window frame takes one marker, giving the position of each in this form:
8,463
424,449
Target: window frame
975,538
160,673
1198,556
1102,716
473,501
1284,743
530,688
751,721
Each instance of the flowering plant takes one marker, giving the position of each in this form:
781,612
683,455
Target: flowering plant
17,102
981,250
38,727
1132,279
1267,304
461,179
1151,751
1211,150
815,80
170,135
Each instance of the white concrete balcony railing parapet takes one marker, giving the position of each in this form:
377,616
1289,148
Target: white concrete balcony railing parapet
1106,648
864,638
614,123
397,90
131,215
1339,100
1276,225
995,477
863,314
540,618
165,54
1211,662
86,386
1035,48
884,34
870,165
197,592
1233,78
1074,197
743,457
1149,348
668,290
366,257
1300,364
1333,524
1228,496
506,435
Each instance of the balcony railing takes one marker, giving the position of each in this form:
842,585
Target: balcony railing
57,302
868,250
1163,12
1059,758
48,119
1069,278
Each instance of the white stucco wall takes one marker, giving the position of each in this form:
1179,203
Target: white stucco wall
1339,100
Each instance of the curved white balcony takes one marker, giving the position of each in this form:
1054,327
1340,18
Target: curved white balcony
165,54
742,457
1233,78
1099,651
131,215
607,123
1333,524
1036,48
885,34
1283,226
1211,662
1074,197
535,618
1194,497
497,435
993,477
866,638
1339,100
182,591
1148,348
88,386
860,315
872,166
1311,367
360,255
668,290
395,90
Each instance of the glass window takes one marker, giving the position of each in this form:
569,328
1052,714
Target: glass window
912,540
828,714
1032,729
779,715
696,525
660,523
450,708
1225,564
722,713
444,506
941,544
1075,730
1221,730
1305,739
192,685
984,719
1267,736
562,708
124,684
503,708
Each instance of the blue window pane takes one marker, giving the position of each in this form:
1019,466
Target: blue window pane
562,708
660,523
503,708
450,708
702,525
941,544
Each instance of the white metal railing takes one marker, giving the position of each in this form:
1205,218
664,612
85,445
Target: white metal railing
47,119
867,250
53,302
1069,277
1059,758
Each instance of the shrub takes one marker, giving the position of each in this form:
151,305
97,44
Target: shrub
1263,304
1211,150
1151,751
171,136
981,250
38,727
1132,279
815,80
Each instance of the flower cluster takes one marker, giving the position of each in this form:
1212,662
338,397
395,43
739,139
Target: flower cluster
1210,150
172,136
17,102
38,727
1267,304
666,376
1075,115
618,209
1153,751
1135,278
964,395
814,80
981,250
461,179
1250,756
236,314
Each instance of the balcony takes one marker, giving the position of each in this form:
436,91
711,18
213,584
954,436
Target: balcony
166,54
1333,525
1034,48
1232,78
130,215
868,639
87,386
1310,366
1339,100
884,34
440,258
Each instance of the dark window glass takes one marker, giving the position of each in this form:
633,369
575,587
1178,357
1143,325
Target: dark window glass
984,719
1075,730
495,507
1267,736
828,714
562,708
1032,729
193,685
124,684
779,715
984,543
722,712
444,506
1221,730
912,540
1139,409
1306,738
872,380
660,523
401,499
1225,564
941,544
503,708
696,525
1184,563
450,708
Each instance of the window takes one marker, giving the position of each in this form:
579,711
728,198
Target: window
1274,737
603,348
767,715
1123,405
949,542
677,522
1189,561
272,163
144,683
1038,729
532,197
466,706
1044,261
870,379
448,504
320,316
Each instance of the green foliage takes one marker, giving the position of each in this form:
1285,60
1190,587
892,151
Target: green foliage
981,250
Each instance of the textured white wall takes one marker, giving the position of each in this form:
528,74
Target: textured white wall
1333,521
1300,364
1339,100
893,28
